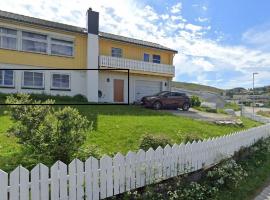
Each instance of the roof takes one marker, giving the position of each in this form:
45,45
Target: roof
65,27
134,41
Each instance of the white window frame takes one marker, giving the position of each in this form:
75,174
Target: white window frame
61,43
3,78
35,40
9,35
60,88
34,87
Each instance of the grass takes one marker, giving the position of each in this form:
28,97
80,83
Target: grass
196,87
119,129
264,113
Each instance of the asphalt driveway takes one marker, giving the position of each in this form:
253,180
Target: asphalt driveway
205,116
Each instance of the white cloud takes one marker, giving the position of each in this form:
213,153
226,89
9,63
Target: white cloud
176,8
201,19
198,57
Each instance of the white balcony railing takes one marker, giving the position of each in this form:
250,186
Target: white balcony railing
122,63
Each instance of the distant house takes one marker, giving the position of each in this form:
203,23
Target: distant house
28,43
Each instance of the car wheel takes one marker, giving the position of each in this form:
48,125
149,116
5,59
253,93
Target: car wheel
185,107
157,105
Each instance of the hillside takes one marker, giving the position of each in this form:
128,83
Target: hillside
196,87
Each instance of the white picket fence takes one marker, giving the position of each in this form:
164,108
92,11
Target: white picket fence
98,179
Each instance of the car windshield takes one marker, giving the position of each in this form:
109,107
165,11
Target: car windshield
160,93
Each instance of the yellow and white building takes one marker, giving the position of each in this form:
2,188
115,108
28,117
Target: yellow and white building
34,52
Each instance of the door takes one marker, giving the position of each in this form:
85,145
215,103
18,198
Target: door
146,88
118,86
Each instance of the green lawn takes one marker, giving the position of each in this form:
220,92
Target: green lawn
119,128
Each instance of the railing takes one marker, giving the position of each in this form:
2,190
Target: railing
114,62
98,179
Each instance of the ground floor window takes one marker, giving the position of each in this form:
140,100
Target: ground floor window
33,79
7,78
61,81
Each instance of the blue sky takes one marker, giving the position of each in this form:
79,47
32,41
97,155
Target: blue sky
220,42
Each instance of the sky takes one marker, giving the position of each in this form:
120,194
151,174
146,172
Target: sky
219,42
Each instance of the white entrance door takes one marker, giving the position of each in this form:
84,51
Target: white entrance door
145,88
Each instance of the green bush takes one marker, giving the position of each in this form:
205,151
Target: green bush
228,175
154,141
192,137
47,131
195,101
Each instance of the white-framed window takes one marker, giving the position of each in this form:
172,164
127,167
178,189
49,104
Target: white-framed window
60,81
8,38
33,79
61,47
34,42
6,78
116,52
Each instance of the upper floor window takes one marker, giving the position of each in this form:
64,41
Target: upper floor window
61,47
117,52
146,57
8,38
6,78
156,58
33,79
34,42
60,81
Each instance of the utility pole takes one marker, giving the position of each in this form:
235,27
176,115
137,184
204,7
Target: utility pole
253,104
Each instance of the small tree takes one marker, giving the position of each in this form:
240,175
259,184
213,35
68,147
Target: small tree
55,133
195,101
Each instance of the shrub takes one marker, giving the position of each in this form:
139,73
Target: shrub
192,137
46,131
227,175
84,153
195,101
154,141
80,98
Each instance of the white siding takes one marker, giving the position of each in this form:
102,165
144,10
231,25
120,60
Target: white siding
77,82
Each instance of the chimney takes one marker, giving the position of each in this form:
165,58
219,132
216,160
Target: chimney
92,22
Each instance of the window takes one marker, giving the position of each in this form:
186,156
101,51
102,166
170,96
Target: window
146,57
34,42
156,58
6,78
61,47
60,81
33,80
8,38
117,52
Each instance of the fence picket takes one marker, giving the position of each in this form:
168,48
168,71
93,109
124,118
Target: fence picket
76,180
130,171
92,178
39,182
119,173
106,181
3,185
140,168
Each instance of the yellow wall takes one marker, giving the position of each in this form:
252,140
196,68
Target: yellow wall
134,52
37,59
